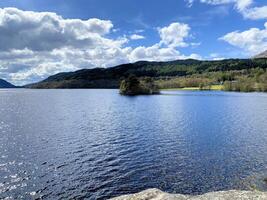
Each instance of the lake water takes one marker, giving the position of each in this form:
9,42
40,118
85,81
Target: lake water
96,144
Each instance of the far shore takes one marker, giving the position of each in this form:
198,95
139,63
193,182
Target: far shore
213,87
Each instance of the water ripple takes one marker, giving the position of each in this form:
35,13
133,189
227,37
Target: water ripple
95,144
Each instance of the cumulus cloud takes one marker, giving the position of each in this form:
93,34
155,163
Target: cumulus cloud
256,13
174,34
155,52
245,7
252,41
35,45
40,31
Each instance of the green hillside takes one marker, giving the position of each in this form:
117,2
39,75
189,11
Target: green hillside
179,73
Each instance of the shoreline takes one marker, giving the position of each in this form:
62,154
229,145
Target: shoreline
156,194
212,88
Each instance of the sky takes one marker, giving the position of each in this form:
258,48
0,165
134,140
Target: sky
39,38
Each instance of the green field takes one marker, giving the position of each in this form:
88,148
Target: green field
212,87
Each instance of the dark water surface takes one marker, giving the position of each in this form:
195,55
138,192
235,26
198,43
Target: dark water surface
96,144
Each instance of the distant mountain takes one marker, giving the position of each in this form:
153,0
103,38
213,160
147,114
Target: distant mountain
261,55
5,84
111,77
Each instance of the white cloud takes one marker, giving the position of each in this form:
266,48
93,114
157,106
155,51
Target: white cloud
35,45
174,34
243,4
240,4
155,52
216,56
256,13
137,37
245,7
42,31
194,56
189,3
172,37
252,41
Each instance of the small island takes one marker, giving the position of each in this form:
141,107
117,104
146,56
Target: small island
133,86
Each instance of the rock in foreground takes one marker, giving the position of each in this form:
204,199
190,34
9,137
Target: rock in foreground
155,194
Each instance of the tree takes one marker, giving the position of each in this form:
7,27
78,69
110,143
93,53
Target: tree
130,85
133,86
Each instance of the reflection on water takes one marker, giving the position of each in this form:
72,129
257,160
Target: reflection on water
97,144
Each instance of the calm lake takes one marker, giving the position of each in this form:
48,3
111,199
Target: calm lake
96,144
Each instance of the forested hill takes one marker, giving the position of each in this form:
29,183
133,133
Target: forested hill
110,77
5,84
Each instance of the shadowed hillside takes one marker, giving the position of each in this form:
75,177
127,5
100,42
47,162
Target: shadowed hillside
5,84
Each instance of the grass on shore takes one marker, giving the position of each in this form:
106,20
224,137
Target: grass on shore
212,87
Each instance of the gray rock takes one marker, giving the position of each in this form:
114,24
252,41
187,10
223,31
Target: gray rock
155,194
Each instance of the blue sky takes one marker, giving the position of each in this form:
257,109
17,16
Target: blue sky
126,30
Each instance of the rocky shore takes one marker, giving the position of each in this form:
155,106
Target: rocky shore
155,194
